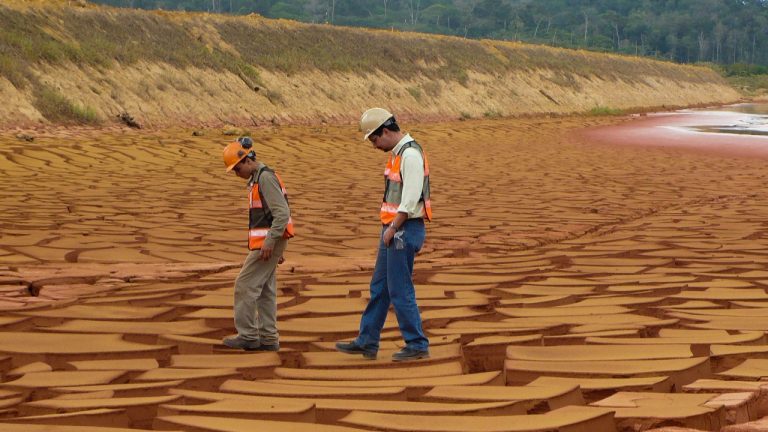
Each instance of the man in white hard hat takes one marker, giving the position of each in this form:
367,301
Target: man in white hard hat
405,205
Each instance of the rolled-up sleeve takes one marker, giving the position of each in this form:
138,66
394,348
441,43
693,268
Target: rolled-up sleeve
412,172
270,189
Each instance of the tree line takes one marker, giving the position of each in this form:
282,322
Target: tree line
725,32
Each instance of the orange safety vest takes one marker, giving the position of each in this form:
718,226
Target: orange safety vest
259,215
393,186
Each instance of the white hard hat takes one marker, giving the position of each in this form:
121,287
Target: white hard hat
372,119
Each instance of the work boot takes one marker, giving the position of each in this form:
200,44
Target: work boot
268,347
240,343
354,348
407,354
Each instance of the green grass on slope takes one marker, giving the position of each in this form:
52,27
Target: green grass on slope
103,37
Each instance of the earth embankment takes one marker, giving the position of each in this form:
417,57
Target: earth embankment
90,64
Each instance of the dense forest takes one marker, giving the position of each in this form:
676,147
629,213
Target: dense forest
726,32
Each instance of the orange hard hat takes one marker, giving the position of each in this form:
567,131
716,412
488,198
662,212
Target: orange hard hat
236,151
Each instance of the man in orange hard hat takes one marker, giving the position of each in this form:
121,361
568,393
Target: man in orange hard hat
405,205
269,228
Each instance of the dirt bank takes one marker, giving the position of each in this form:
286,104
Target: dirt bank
91,64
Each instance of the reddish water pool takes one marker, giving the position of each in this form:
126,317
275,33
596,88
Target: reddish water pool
734,130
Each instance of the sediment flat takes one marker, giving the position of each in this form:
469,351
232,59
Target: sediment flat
131,241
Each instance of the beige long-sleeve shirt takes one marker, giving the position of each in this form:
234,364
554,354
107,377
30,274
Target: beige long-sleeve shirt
275,201
412,173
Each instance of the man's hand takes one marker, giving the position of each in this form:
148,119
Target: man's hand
389,233
266,253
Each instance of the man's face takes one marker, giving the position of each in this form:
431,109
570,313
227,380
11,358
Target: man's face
243,168
381,139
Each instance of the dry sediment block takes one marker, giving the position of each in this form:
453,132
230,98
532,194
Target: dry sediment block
145,331
9,323
577,419
599,388
121,390
489,352
10,427
532,397
607,269
578,338
638,411
189,344
101,312
58,349
135,300
679,371
449,278
329,306
749,304
725,357
252,366
511,326
756,369
607,322
130,365
330,410
534,301
704,313
29,368
731,323
545,290
759,390
690,304
38,383
599,352
617,301
8,394
262,388
435,318
407,369
739,407
268,409
8,406
666,289
686,336
223,424
140,411
631,261
472,302
414,386
569,311
456,289
100,417
723,294
754,426
725,285
466,335
192,378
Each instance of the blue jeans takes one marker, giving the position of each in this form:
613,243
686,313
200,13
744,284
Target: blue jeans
392,284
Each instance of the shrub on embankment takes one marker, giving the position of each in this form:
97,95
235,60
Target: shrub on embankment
201,67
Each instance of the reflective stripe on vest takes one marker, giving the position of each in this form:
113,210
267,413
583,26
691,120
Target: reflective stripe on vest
393,186
260,217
